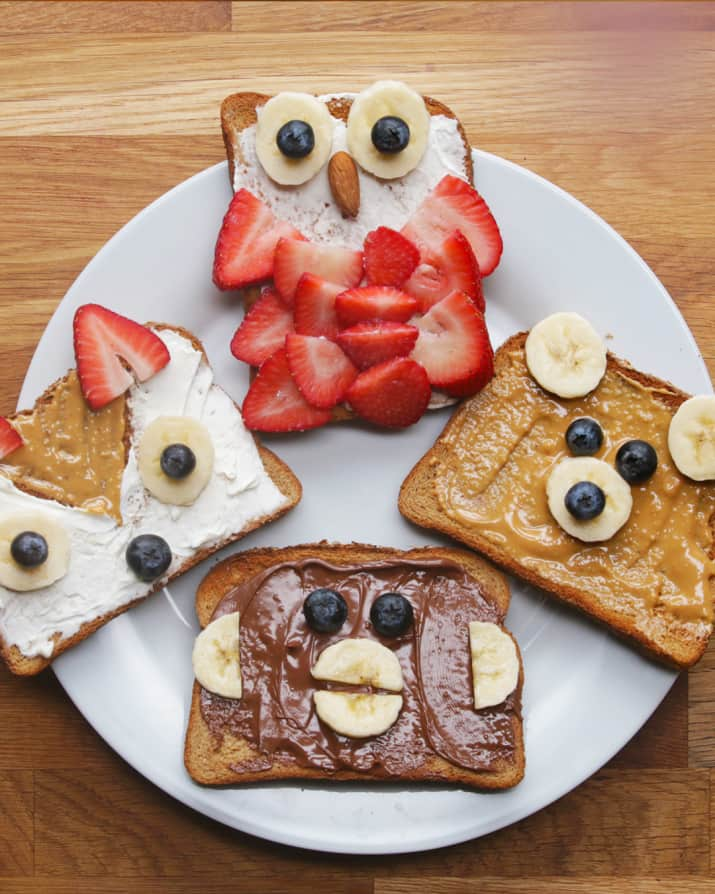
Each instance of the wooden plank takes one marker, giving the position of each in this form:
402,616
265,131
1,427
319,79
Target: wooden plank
16,823
455,17
701,711
299,882
550,885
117,17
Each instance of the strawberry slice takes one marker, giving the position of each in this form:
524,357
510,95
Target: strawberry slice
452,268
455,205
293,258
389,257
247,241
314,306
320,369
374,303
394,393
263,330
274,403
10,439
373,342
101,338
453,345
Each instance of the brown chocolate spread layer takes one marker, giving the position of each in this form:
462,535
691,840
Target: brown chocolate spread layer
276,714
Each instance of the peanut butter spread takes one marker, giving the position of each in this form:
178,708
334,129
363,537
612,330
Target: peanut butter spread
71,454
491,477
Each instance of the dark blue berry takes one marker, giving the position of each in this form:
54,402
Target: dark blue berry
584,437
148,556
585,500
390,134
391,614
29,549
636,461
296,139
325,610
177,461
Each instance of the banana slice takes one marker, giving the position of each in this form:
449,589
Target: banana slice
495,663
16,576
566,355
691,437
387,99
278,111
160,434
216,658
360,661
619,501
357,714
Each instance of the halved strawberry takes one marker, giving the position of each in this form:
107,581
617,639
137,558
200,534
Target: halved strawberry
453,345
263,330
373,341
394,393
390,258
452,268
274,403
455,205
374,303
101,337
10,439
314,306
293,258
247,241
320,369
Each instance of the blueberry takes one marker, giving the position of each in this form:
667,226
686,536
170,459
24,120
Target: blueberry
585,500
296,139
178,461
29,549
391,614
325,610
636,461
148,556
390,134
584,437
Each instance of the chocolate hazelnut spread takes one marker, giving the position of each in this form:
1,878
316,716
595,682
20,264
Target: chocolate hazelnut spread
492,476
71,454
277,650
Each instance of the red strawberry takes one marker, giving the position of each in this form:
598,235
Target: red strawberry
320,369
452,269
101,337
273,402
394,393
293,258
374,303
389,257
246,242
9,438
263,330
453,345
455,205
372,342
314,306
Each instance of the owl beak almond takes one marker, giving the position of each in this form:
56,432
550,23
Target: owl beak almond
344,183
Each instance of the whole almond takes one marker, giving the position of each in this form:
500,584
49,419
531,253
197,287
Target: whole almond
344,183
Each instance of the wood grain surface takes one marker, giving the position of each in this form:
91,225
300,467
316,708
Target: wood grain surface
107,105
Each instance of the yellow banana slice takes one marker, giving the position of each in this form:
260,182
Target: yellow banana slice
691,437
279,110
495,663
361,662
566,355
158,435
357,714
617,492
216,658
15,576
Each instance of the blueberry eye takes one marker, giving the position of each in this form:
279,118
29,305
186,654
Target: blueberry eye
390,134
296,139
148,555
325,610
177,461
585,500
391,614
29,549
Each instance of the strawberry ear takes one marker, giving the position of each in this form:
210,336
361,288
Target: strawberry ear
101,338
10,439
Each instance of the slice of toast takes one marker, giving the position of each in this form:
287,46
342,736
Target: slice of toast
40,470
219,757
484,480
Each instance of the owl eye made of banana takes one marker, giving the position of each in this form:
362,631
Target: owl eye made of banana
387,132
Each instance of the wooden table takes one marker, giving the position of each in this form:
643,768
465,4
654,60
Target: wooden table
107,105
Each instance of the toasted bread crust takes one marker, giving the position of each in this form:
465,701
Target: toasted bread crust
418,503
282,477
208,759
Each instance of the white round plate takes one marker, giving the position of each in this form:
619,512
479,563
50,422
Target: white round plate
586,693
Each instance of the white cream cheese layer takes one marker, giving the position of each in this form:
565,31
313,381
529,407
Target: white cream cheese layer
389,203
99,580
